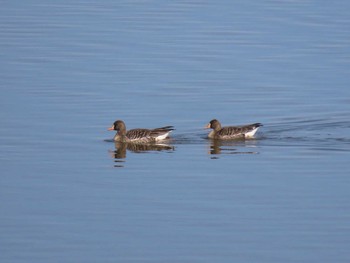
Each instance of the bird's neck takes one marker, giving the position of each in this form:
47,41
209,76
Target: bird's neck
217,128
120,137
121,132
211,134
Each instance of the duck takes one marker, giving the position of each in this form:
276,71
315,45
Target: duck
231,132
139,135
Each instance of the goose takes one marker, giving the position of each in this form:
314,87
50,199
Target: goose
231,132
139,135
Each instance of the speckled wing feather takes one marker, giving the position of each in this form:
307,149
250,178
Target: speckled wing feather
147,135
138,134
229,132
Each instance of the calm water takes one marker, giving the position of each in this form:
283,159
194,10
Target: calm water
69,70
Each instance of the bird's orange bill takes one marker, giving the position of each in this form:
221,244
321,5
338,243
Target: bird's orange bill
111,128
207,126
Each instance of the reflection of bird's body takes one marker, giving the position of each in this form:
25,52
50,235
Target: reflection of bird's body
121,147
139,135
232,132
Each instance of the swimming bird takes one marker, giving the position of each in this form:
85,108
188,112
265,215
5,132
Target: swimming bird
139,135
231,132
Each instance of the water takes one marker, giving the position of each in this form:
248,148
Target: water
69,70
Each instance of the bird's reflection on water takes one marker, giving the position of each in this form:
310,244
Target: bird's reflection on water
120,152
218,147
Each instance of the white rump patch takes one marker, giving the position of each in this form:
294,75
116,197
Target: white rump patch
162,137
251,133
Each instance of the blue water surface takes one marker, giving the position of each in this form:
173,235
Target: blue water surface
68,70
